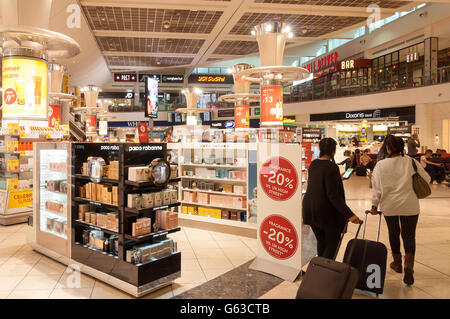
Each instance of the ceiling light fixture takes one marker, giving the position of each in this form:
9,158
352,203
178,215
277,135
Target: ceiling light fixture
166,25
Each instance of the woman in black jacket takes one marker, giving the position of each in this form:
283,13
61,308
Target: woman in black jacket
324,207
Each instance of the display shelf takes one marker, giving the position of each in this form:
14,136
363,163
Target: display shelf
149,262
213,206
224,180
152,235
95,227
213,192
218,221
143,211
104,180
56,215
149,184
231,166
98,251
52,192
88,201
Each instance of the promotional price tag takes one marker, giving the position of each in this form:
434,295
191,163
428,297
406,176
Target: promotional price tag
241,116
143,132
278,178
271,105
278,237
91,124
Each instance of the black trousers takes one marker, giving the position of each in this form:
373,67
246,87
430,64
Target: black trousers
327,242
437,173
404,226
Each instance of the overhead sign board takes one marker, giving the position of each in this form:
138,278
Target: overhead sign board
211,78
124,77
143,76
172,78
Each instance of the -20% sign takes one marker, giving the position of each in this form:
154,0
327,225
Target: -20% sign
278,178
278,237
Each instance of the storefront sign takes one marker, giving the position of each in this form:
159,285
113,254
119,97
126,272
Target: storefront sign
124,77
321,63
211,78
91,124
173,78
143,76
225,113
412,57
406,113
54,115
272,105
355,64
242,116
279,210
24,84
399,129
103,128
143,132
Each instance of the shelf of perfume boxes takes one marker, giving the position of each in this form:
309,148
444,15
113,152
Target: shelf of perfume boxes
95,227
96,203
227,180
143,211
143,184
153,235
99,251
28,170
45,211
63,195
104,180
213,192
214,206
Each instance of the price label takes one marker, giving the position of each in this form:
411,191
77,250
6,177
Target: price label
278,237
278,178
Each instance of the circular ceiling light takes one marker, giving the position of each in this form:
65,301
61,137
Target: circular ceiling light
166,24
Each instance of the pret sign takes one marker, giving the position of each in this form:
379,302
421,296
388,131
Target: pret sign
125,77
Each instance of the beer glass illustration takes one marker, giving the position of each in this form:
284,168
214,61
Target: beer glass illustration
37,89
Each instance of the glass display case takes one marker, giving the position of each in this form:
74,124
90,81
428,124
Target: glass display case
51,199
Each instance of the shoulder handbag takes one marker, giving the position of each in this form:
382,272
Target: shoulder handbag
420,186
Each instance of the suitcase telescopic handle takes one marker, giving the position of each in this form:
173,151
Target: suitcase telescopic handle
365,222
342,237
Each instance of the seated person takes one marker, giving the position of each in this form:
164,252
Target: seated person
366,161
435,170
443,153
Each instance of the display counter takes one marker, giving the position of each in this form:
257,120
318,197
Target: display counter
108,208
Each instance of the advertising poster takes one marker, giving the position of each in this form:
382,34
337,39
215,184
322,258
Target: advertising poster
242,116
279,233
54,115
271,105
24,83
143,132
91,124
151,92
20,199
103,128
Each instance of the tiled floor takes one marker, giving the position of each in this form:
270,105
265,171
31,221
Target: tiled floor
207,255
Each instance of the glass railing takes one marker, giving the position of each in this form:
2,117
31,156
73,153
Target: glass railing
310,91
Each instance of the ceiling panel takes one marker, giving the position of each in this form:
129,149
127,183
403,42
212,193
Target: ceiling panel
341,3
237,47
314,25
146,61
150,20
149,45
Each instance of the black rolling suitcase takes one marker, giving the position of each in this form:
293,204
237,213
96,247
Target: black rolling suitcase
328,279
370,258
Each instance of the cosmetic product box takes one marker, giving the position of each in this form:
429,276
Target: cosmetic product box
93,218
82,209
239,189
227,188
138,174
233,215
148,200
158,199
142,226
225,214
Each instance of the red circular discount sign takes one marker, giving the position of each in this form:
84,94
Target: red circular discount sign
278,237
278,178
10,96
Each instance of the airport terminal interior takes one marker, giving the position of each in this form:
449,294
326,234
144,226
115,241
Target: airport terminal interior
217,149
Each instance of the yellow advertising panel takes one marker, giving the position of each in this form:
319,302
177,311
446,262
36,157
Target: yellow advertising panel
20,199
24,84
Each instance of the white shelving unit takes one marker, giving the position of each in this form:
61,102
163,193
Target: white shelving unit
230,156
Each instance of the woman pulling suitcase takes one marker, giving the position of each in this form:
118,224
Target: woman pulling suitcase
324,207
393,194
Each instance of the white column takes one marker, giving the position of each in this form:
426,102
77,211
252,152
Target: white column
423,121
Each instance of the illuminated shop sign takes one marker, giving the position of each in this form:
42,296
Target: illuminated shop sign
211,78
124,77
403,113
412,57
349,64
172,78
355,63
323,62
155,77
